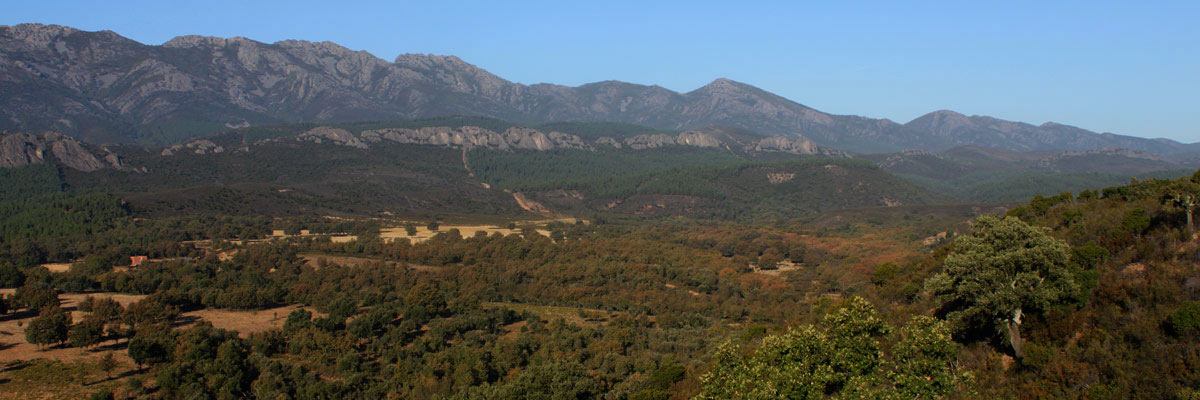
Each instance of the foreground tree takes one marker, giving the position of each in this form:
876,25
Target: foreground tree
844,359
1002,270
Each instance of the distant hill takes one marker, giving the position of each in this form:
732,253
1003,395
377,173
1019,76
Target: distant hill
973,173
104,88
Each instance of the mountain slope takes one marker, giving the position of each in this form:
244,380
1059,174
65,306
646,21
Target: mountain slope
972,173
104,88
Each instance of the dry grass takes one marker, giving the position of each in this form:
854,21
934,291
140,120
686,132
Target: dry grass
244,322
57,268
53,379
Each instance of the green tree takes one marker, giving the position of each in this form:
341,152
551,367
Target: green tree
37,296
1181,196
48,328
433,226
805,362
148,311
843,360
410,229
86,333
1002,270
925,357
106,309
108,363
151,346
10,275
1185,321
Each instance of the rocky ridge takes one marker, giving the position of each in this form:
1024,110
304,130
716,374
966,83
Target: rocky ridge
102,88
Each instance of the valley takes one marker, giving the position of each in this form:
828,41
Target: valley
225,218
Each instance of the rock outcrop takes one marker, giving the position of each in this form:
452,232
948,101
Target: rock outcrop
518,138
201,146
21,149
337,136
476,137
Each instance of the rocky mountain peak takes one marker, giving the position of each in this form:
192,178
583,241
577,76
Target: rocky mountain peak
721,85
942,122
190,41
37,34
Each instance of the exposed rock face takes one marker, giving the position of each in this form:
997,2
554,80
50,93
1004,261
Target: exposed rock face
529,139
21,149
794,146
334,135
642,142
476,137
698,139
607,141
103,88
201,146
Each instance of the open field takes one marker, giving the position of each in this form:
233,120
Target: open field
12,332
244,322
53,379
14,347
57,268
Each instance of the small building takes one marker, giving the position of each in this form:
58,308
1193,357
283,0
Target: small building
137,260
278,233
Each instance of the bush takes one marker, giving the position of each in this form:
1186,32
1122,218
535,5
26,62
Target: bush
1186,320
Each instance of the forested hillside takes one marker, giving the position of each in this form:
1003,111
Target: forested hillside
1079,295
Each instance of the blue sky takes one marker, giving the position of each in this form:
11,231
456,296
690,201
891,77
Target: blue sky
1108,66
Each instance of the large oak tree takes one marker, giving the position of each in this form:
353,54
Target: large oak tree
1004,269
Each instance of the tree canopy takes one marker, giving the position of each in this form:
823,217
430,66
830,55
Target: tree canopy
1002,270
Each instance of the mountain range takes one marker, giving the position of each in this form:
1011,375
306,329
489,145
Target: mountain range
104,88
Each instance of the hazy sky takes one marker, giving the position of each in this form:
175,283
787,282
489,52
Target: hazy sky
1108,66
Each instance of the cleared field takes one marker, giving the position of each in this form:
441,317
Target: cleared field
57,268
